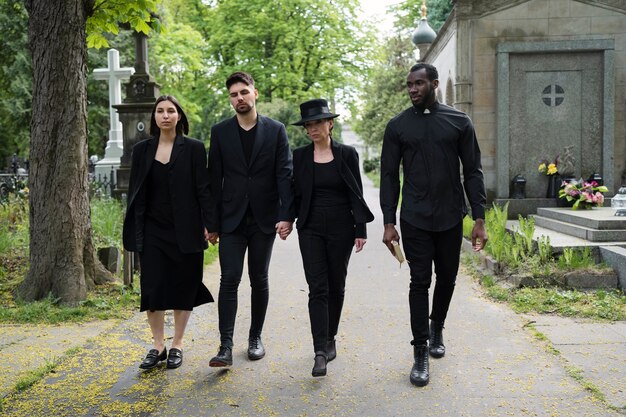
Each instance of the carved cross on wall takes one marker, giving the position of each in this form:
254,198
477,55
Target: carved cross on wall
553,95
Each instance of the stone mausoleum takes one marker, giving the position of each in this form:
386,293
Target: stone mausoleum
537,76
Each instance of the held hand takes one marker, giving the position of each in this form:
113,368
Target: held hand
213,237
206,234
284,228
479,235
358,244
390,235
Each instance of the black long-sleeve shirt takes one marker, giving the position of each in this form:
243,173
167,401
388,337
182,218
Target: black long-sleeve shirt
431,146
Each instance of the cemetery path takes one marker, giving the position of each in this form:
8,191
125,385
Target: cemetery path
494,366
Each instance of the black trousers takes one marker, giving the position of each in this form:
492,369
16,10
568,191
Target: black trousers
326,243
422,248
232,250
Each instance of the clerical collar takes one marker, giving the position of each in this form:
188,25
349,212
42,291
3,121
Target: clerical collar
431,109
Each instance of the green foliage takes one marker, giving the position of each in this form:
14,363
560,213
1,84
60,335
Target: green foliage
105,302
408,14
570,303
14,226
371,165
500,242
517,251
107,217
468,225
385,87
106,15
544,249
519,255
31,377
15,81
576,258
296,50
179,64
287,113
385,91
211,254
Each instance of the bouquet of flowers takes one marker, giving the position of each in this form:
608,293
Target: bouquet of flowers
584,194
549,168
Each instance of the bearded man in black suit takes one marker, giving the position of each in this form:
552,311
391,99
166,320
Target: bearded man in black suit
250,169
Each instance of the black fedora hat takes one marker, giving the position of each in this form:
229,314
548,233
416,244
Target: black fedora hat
314,110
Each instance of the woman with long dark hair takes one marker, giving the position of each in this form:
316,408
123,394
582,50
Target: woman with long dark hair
168,204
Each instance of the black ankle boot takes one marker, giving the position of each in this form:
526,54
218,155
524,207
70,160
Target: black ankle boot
419,372
436,348
331,349
319,367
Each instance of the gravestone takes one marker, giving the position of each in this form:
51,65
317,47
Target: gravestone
115,145
554,96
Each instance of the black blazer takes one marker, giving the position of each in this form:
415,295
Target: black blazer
189,189
265,184
347,160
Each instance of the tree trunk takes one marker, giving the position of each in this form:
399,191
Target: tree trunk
62,256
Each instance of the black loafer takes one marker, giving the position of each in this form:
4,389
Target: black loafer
175,358
153,358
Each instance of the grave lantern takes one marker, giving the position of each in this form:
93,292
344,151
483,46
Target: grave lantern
597,178
618,202
519,187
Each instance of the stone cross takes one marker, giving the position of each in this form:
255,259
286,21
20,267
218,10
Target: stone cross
114,75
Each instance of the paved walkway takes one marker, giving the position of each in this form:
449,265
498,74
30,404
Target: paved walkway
494,366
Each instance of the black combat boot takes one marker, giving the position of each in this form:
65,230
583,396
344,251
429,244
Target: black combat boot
436,347
419,372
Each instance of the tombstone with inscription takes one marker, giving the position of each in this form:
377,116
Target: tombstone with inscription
113,152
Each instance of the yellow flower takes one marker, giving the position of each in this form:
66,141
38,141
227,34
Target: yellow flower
542,167
552,169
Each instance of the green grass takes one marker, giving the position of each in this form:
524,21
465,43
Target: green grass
110,301
609,305
211,254
107,218
31,377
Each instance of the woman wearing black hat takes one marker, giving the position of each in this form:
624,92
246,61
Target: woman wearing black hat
331,220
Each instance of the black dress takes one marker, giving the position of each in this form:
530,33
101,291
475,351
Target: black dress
170,279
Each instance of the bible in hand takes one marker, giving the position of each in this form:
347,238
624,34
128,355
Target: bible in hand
398,251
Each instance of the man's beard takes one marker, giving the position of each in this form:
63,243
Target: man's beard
245,109
430,99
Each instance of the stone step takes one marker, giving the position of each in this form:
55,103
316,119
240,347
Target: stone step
579,231
560,240
615,256
600,218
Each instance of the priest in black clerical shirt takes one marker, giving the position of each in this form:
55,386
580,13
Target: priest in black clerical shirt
432,141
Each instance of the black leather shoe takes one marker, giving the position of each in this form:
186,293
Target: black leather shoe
175,358
331,350
419,372
153,358
319,367
256,350
436,346
224,357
